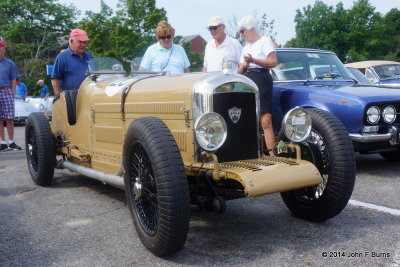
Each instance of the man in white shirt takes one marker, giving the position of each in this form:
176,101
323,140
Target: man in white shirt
221,46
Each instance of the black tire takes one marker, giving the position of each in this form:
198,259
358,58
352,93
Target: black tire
334,157
161,209
393,156
40,149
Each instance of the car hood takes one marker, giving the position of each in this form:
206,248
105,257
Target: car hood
371,93
364,93
395,82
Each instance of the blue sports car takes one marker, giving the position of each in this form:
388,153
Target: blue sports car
318,81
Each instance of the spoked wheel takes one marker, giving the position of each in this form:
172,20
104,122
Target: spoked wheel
40,149
156,186
330,149
144,189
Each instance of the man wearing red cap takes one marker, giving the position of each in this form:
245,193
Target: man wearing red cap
8,82
71,65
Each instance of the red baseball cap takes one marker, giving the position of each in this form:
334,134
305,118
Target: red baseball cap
80,34
2,44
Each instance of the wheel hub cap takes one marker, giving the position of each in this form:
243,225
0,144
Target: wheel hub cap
137,189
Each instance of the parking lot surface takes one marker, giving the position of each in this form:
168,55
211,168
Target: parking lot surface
81,222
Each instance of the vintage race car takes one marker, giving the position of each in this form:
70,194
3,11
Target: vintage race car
173,141
317,79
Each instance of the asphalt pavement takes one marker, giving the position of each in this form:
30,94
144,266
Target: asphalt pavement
81,222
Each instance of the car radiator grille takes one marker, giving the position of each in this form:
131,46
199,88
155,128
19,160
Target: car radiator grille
241,141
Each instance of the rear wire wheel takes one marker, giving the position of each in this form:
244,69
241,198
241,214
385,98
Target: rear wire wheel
40,149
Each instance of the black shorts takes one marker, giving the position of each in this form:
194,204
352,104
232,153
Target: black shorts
263,79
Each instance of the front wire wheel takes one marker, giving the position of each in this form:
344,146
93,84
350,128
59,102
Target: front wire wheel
156,186
144,189
331,151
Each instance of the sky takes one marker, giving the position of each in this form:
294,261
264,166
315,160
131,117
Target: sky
190,17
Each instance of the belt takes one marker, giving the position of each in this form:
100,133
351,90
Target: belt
4,87
256,70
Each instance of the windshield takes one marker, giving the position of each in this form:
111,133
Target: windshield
389,71
299,65
361,78
105,65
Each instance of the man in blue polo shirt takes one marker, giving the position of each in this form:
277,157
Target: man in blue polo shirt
8,82
71,65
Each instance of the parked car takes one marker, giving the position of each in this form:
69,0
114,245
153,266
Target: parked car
47,104
317,79
361,78
380,72
173,141
24,108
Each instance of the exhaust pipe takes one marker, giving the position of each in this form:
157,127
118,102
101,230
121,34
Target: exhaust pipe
111,179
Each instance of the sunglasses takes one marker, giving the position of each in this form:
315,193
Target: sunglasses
242,31
213,28
165,37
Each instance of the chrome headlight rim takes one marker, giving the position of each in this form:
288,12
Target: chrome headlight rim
386,116
200,121
297,116
373,114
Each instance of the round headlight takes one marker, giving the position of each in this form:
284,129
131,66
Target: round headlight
389,114
296,124
373,114
41,107
210,131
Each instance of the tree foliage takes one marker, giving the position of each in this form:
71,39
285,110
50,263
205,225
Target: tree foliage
358,33
30,29
126,34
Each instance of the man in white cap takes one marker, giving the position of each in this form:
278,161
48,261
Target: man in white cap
71,65
44,90
220,47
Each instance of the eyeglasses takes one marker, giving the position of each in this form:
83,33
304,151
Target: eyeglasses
213,28
242,31
165,37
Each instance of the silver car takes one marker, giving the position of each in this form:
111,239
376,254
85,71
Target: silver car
24,108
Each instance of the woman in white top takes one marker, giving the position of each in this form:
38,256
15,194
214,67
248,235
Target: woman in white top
258,56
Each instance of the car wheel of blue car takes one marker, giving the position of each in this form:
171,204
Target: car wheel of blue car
391,155
330,149
156,186
40,149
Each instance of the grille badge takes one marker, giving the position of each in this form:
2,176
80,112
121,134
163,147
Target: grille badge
234,114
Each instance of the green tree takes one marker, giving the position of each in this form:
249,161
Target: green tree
136,32
100,28
392,33
364,37
358,33
125,35
195,58
30,29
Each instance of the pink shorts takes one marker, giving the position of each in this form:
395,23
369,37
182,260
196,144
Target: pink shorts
7,104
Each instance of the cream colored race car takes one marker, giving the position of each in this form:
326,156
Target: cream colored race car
171,141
